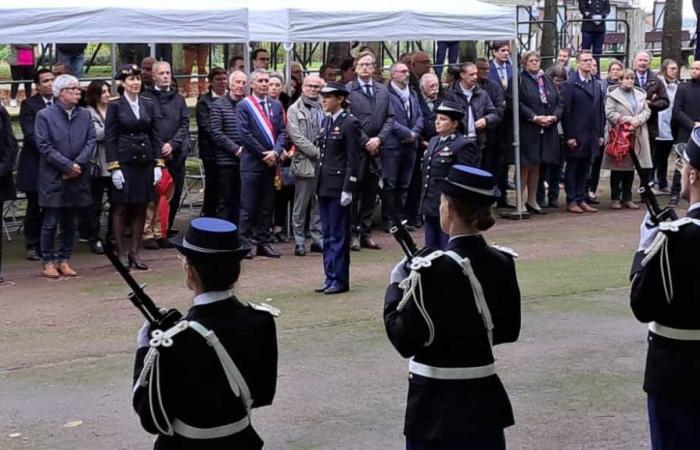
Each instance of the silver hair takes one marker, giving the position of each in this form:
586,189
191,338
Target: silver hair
254,74
393,67
63,82
160,63
425,77
644,52
232,74
277,75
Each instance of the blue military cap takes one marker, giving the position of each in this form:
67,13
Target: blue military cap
450,109
209,237
335,88
127,70
690,152
470,184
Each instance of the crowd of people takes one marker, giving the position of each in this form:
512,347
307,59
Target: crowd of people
263,151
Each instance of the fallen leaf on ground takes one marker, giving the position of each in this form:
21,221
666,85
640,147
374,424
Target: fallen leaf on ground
73,423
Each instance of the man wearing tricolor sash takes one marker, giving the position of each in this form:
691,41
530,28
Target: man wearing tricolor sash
262,129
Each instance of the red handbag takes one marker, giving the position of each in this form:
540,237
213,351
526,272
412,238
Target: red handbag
620,141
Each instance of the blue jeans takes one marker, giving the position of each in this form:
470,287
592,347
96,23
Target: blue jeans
442,50
75,61
673,424
575,177
335,222
66,217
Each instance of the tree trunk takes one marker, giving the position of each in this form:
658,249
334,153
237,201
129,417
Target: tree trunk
549,45
337,51
673,22
467,51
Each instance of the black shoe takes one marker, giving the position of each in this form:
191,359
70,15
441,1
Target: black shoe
2,280
409,227
136,263
151,244
96,247
33,255
368,242
172,232
674,200
316,248
415,223
299,250
553,204
335,290
386,227
355,244
281,237
591,201
323,287
503,204
267,251
533,210
164,243
249,255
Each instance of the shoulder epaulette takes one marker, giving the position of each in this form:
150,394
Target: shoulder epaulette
421,262
343,115
507,250
274,312
676,225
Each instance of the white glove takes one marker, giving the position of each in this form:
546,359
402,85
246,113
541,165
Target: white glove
399,272
647,233
143,337
118,179
345,198
157,175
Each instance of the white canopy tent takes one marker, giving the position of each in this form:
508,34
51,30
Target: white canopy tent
123,21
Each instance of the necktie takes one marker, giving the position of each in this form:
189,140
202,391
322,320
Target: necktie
642,80
502,75
49,103
368,89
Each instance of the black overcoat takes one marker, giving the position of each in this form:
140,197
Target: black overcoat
8,154
538,144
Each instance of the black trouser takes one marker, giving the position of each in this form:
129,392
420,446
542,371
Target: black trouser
363,209
1,211
211,188
676,183
229,191
33,217
661,151
414,189
89,218
550,173
283,199
176,167
397,169
621,185
257,203
21,73
594,177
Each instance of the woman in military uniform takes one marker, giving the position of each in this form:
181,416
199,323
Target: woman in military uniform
339,142
134,161
449,147
447,314
197,383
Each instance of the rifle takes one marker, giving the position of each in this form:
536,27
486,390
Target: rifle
158,319
403,237
657,214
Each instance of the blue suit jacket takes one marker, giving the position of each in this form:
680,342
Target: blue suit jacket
584,117
493,73
254,138
402,126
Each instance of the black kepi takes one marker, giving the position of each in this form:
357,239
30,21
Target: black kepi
335,88
690,152
209,237
470,184
127,70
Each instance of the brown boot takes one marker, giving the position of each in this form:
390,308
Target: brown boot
49,270
587,208
574,208
66,269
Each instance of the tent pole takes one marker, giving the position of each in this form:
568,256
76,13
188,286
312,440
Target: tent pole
288,51
113,62
246,64
519,213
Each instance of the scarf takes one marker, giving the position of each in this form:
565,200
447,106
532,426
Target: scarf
539,79
405,96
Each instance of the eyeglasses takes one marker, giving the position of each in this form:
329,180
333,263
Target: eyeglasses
313,86
365,64
73,88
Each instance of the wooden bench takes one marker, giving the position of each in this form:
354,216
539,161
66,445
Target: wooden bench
653,39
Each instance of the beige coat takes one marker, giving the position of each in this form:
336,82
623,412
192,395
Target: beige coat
617,108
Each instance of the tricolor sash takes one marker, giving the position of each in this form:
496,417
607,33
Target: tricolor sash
261,118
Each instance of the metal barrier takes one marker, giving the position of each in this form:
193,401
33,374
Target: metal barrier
621,55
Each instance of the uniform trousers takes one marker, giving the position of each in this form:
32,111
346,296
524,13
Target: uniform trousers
229,191
673,424
211,188
449,49
593,41
335,220
434,236
485,440
257,203
52,218
397,168
306,203
363,205
575,177
33,218
89,220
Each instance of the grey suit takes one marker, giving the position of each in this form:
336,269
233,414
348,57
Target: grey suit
376,119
